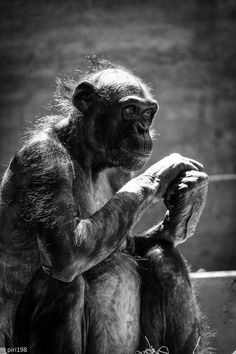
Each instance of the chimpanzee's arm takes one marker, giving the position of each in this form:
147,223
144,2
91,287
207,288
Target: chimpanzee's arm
68,245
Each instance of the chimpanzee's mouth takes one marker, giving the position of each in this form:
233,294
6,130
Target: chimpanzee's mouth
141,154
138,153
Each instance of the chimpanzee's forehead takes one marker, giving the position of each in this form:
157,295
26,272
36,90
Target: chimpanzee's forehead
121,81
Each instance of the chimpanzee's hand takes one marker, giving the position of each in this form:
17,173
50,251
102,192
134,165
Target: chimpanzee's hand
152,185
163,173
185,200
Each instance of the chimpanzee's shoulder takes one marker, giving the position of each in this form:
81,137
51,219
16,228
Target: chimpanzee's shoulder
42,147
41,154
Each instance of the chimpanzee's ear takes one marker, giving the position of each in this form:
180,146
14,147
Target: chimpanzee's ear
83,96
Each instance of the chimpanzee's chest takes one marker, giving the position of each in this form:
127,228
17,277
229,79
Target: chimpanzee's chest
90,194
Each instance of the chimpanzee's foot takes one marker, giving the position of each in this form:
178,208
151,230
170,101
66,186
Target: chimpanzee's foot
185,200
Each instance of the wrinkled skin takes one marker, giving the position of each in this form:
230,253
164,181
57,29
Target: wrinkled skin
73,277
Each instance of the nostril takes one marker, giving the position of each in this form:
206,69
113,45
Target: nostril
141,129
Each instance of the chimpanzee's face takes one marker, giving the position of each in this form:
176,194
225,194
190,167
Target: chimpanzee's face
123,111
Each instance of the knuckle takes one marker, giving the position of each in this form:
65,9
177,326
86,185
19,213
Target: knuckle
147,189
204,176
176,156
181,164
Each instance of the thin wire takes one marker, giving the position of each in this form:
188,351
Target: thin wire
217,178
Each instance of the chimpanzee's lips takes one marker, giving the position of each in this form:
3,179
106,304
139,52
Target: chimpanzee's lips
141,154
138,153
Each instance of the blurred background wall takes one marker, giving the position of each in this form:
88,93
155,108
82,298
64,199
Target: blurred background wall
185,48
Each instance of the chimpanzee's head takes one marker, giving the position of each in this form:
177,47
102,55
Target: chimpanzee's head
118,111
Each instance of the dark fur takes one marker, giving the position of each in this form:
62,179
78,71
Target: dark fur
69,282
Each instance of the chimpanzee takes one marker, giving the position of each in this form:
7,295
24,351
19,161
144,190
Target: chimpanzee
73,277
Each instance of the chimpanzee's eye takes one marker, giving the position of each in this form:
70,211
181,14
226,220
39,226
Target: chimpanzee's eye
148,114
129,111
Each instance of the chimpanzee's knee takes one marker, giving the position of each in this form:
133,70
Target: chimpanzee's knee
51,317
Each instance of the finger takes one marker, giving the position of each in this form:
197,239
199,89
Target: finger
191,166
199,166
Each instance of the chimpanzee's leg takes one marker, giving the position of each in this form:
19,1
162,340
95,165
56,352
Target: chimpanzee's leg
52,317
97,313
114,306
169,314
